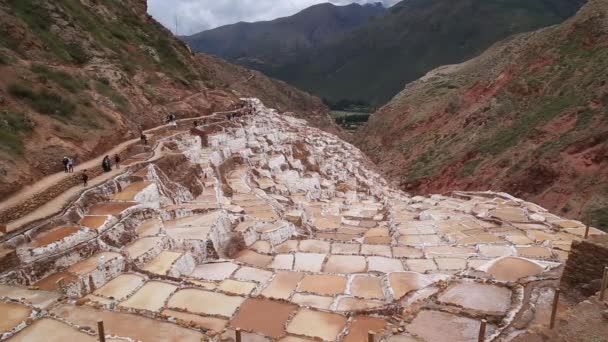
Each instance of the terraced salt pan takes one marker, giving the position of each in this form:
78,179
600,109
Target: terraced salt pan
129,193
323,284
54,235
313,301
512,268
51,330
93,222
345,264
211,323
345,304
237,287
151,296
38,298
141,247
88,265
403,283
214,270
251,317
325,326
162,263
255,259
489,299
252,274
136,327
384,265
12,314
283,285
110,208
193,221
149,227
436,326
121,287
282,262
367,287
205,302
361,325
309,262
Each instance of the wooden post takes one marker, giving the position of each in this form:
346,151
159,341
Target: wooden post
586,232
371,336
482,330
604,284
238,334
554,309
100,331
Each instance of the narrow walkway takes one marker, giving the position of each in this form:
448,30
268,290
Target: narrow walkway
58,203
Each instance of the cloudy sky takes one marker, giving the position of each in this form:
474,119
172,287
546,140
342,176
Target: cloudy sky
198,15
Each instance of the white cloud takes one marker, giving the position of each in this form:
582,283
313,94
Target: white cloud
193,16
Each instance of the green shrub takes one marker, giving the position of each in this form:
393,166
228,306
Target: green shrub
21,91
45,102
66,81
12,127
77,53
103,87
53,104
598,217
468,169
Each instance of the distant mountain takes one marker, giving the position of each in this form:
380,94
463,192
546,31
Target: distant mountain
375,60
270,44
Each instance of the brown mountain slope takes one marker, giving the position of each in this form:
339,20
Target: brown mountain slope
529,116
80,76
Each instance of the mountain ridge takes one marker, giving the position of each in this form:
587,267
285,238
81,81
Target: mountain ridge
401,45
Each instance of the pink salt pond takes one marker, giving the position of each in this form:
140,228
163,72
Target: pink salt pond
252,316
129,193
54,235
512,268
11,315
488,299
110,208
437,326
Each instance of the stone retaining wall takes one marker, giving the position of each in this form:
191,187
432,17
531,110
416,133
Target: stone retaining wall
585,266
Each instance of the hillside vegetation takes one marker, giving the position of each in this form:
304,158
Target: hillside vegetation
529,116
81,76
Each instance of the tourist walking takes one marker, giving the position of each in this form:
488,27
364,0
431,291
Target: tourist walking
117,161
85,178
106,164
71,163
65,161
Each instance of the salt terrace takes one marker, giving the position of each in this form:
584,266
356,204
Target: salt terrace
287,233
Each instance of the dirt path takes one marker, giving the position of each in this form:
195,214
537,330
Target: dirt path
58,203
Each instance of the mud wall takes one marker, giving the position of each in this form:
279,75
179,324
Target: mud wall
585,266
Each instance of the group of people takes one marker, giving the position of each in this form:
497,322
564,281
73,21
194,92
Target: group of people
68,164
172,120
243,108
106,163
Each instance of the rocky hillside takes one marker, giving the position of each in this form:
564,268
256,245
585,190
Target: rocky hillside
264,45
81,76
529,116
